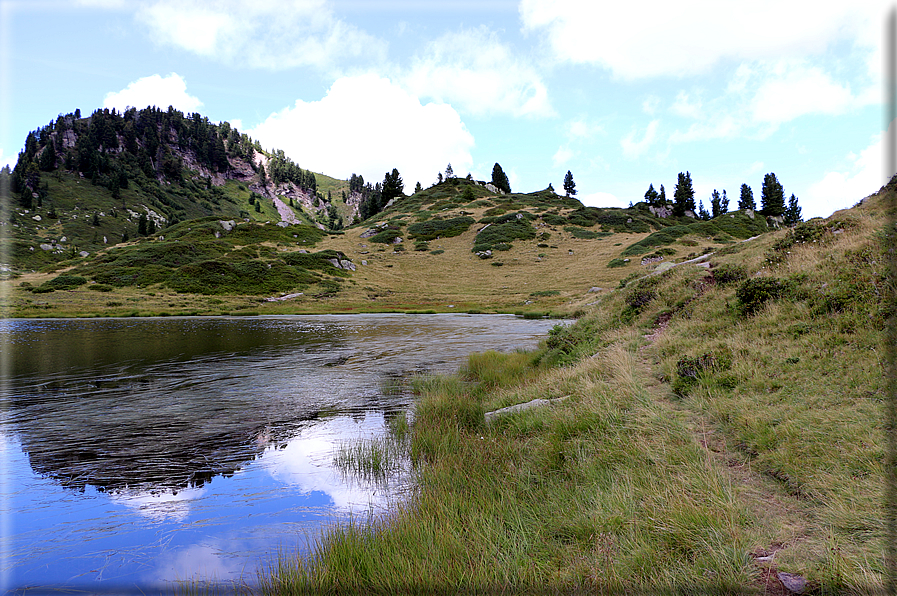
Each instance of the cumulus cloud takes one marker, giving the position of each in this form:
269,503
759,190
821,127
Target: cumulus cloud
369,125
793,90
562,156
269,34
475,71
633,148
659,38
154,90
762,96
860,176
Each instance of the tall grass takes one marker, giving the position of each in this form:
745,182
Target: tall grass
606,493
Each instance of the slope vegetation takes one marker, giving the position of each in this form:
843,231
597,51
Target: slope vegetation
715,428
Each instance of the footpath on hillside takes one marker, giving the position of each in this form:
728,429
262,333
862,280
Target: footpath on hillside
762,496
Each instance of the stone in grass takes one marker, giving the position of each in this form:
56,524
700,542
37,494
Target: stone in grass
793,583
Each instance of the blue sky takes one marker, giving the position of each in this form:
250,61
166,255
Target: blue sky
622,96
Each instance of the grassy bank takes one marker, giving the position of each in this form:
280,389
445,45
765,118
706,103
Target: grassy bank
720,425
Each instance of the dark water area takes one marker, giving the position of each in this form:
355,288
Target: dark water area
138,453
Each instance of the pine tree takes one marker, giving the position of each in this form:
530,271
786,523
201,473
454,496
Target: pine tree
499,179
651,195
418,187
715,203
263,178
449,172
141,225
569,185
684,195
792,212
702,213
747,198
772,198
724,204
150,227
662,196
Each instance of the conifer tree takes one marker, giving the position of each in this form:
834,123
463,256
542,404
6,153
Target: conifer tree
684,195
449,172
772,198
702,213
792,212
418,187
715,203
569,185
662,196
724,204
141,225
499,179
651,195
747,198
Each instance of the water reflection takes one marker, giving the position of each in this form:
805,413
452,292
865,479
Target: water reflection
138,451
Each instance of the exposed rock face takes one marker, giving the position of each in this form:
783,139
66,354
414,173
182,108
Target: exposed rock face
343,264
228,225
662,211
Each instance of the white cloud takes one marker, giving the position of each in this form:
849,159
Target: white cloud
685,107
793,90
369,125
861,176
633,148
475,71
154,90
582,129
660,38
650,105
269,34
562,156
762,96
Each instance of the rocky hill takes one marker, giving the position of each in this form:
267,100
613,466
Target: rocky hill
146,203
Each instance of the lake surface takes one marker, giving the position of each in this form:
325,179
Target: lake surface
141,452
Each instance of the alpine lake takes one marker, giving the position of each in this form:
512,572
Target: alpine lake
158,453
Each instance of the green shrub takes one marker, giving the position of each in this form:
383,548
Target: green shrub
500,234
618,263
100,287
387,235
65,282
729,273
753,293
690,370
545,293
438,251
447,228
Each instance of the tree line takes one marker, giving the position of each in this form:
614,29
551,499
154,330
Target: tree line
772,200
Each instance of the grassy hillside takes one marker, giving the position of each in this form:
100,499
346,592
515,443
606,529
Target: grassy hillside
713,426
452,247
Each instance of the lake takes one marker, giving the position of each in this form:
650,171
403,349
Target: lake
144,452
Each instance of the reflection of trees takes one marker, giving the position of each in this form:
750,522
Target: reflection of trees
146,439
157,404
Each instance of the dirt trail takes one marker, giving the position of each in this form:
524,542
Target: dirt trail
761,495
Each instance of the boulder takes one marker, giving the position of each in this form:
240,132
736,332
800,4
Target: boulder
793,583
227,225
